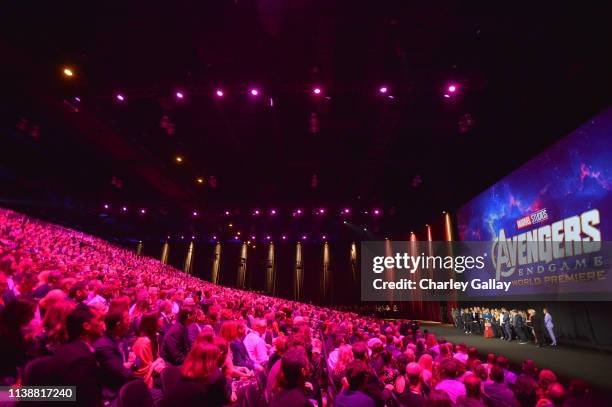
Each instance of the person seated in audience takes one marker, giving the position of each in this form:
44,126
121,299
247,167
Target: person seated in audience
52,332
175,345
15,316
449,371
234,333
255,344
472,396
578,394
354,396
498,392
148,364
415,391
201,382
291,382
74,363
112,354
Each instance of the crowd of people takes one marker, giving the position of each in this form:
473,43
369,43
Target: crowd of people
129,330
524,326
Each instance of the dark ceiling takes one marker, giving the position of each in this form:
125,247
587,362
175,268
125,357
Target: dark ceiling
527,76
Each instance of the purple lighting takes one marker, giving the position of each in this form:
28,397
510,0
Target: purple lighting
195,213
324,237
227,213
179,95
284,237
143,211
214,237
383,89
254,92
322,211
273,212
106,206
316,91
452,88
304,237
346,211
219,93
252,237
120,97
376,212
124,209
256,212
268,237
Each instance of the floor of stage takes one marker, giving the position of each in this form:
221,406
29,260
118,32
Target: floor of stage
567,362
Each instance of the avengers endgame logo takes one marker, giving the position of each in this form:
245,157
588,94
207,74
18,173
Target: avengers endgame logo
548,247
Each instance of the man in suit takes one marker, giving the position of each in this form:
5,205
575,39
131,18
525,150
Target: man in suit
548,323
498,393
505,323
467,321
240,354
519,327
537,324
74,363
112,354
175,345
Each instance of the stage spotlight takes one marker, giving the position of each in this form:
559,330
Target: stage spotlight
284,237
268,237
179,95
252,237
452,88
446,95
253,246
322,211
304,237
120,97
214,237
200,180
231,225
195,213
273,212
124,209
323,237
346,211
168,236
238,233
254,92
68,72
376,212
317,91
383,89
236,237
106,206
299,211
178,159
219,93
77,99
192,237
143,211
227,213
256,212
345,222
365,229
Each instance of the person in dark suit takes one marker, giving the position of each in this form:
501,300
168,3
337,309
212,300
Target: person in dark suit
498,393
201,383
293,366
74,363
175,345
519,327
467,321
537,324
240,354
111,354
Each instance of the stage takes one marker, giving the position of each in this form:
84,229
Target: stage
566,362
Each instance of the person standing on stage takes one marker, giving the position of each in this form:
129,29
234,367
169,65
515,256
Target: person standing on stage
548,323
467,320
505,323
537,324
519,326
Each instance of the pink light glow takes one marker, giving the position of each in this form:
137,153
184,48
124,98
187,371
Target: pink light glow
324,237
143,211
120,97
179,95
452,88
254,92
346,211
219,92
106,206
268,237
304,237
284,237
253,237
273,212
316,91
383,89
195,213
376,212
214,237
124,209
227,212
321,211
256,212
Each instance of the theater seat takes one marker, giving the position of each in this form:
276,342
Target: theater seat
135,393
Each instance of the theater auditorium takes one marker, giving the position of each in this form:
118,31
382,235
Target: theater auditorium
198,201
